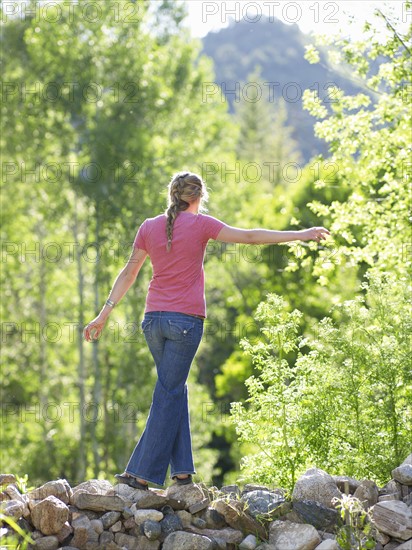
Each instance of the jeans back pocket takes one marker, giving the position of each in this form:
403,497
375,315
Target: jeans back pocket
181,331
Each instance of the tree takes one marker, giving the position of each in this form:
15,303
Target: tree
357,356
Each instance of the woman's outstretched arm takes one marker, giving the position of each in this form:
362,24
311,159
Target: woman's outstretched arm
230,234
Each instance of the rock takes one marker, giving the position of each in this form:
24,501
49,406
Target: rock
141,516
97,525
292,516
190,495
116,527
328,545
198,506
346,481
185,518
12,508
167,510
403,474
181,540
328,536
105,538
152,529
76,512
199,522
408,500
228,535
367,493
64,532
315,484
127,513
14,494
234,515
84,534
100,503
49,515
47,543
129,523
261,502
382,538
393,518
248,543
213,519
405,546
93,486
408,460
59,489
232,490
170,523
6,479
316,514
391,488
126,541
109,519
153,498
254,487
81,528
388,497
285,535
129,542
139,498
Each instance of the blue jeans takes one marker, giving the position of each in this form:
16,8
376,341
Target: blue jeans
173,339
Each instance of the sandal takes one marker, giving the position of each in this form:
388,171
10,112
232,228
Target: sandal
184,481
132,482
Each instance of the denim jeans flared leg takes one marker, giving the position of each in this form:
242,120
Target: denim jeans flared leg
173,339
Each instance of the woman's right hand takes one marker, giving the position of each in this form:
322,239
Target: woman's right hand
314,234
94,328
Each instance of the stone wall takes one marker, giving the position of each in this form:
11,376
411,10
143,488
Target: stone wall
99,515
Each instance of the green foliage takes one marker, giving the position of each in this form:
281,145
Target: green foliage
126,99
271,419
342,402
370,146
343,405
22,484
357,531
17,538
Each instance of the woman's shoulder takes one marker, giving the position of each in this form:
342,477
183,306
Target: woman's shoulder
155,219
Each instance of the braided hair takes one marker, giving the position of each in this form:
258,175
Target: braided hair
184,188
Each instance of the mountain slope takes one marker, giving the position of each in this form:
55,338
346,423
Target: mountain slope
278,49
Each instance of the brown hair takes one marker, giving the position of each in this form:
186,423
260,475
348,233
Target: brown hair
184,188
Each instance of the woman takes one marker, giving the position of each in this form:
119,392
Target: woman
173,321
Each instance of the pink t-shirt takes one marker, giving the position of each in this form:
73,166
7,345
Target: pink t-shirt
178,281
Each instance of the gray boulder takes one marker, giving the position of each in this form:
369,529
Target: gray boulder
181,540
287,535
262,502
49,515
315,484
316,514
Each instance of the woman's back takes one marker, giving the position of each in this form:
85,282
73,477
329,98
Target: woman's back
178,277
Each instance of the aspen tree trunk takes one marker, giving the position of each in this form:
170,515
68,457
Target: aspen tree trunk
81,367
95,410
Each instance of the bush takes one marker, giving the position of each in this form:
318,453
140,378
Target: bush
343,404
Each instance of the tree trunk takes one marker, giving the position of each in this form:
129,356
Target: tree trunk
95,408
81,367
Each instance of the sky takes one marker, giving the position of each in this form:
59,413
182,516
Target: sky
312,16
